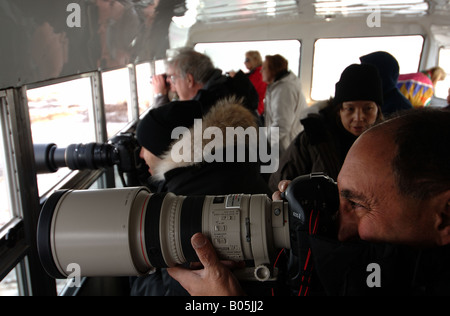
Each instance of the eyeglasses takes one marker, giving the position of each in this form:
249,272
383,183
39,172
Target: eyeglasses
173,78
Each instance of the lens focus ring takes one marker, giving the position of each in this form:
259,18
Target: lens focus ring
174,225
170,230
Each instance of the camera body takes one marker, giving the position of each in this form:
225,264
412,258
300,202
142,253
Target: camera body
128,150
313,202
125,232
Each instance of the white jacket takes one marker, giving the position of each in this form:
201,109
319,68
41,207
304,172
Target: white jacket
284,105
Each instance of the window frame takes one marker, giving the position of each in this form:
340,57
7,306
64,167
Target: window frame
18,238
81,179
273,51
132,98
313,79
8,163
94,113
11,168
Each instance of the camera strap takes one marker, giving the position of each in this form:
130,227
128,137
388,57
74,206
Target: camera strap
306,264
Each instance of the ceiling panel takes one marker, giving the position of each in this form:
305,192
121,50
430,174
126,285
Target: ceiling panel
212,11
356,7
220,10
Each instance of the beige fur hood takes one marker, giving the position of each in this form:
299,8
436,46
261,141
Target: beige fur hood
190,146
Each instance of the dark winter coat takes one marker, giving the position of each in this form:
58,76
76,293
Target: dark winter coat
364,268
220,86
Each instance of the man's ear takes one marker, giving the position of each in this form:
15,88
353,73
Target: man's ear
190,80
444,218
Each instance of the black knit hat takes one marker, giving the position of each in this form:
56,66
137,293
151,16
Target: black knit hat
154,132
359,83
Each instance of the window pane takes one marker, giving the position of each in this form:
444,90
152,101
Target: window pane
61,114
230,56
145,92
346,51
116,90
8,286
5,208
444,62
144,73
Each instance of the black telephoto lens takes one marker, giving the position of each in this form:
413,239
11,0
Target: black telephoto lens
91,156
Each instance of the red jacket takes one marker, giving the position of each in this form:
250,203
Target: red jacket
255,77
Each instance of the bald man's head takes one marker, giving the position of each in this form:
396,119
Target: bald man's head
395,182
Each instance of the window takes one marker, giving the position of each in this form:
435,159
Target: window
117,96
5,207
144,89
444,62
9,286
61,114
230,56
144,73
332,56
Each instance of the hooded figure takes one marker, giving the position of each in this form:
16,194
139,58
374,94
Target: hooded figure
323,145
213,166
389,70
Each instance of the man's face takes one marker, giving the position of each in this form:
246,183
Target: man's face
184,86
371,208
170,72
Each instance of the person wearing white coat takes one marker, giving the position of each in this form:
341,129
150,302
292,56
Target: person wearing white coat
284,102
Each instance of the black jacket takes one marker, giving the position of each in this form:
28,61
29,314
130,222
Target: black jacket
220,86
363,268
216,178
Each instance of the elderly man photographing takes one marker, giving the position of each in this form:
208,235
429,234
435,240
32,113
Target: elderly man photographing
194,77
394,211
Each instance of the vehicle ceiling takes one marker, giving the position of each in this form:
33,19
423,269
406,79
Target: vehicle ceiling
212,11
435,13
114,33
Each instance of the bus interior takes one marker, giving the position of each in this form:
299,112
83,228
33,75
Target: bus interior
79,71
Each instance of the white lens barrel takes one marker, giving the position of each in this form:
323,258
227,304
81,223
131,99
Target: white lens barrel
93,228
129,231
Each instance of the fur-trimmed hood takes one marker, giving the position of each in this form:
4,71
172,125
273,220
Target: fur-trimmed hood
226,113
